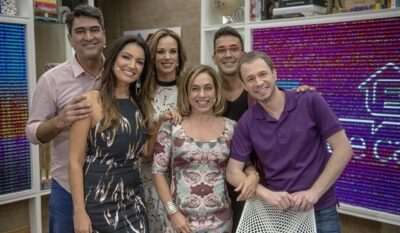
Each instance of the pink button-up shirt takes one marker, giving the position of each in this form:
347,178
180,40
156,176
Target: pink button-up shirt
54,91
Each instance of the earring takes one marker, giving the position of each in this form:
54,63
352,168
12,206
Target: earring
137,87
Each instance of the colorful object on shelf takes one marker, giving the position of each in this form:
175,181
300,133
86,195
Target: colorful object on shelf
227,7
8,7
46,10
292,3
359,5
299,8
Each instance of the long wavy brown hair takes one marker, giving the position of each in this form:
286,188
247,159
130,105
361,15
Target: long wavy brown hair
151,83
107,97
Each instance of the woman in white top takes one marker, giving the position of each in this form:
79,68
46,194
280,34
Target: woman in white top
161,92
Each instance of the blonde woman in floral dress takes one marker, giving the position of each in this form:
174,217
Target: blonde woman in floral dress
195,152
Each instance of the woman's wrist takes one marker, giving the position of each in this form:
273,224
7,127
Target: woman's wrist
171,208
79,211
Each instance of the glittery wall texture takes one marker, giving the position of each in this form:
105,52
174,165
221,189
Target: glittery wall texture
355,65
15,166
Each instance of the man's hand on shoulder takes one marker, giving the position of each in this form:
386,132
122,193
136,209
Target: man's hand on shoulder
77,109
304,88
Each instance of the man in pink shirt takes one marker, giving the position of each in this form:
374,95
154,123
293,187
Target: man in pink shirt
58,102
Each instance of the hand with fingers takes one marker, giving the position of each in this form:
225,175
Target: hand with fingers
77,109
172,115
304,88
248,187
82,223
304,200
180,223
279,200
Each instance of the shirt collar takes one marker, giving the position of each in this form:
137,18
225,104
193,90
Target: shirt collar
79,71
290,104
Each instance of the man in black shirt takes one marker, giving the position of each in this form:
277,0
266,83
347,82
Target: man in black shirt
228,49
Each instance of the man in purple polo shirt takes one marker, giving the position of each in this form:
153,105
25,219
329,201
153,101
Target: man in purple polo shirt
58,102
288,131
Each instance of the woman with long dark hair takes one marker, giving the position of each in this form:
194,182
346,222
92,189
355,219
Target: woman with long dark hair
104,147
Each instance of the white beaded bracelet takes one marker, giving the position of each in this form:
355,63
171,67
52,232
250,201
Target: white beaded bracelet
171,208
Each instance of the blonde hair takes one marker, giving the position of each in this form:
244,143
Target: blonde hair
186,81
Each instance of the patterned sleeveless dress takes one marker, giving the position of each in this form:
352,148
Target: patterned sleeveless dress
113,192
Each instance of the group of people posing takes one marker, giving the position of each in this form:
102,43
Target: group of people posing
141,144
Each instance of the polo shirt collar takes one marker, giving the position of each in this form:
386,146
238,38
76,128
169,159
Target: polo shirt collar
79,71
290,104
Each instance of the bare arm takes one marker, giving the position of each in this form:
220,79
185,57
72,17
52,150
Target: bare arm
174,117
150,146
161,166
341,155
76,109
248,186
235,175
78,137
178,220
234,172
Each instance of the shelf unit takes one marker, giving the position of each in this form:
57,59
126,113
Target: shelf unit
34,194
211,21
49,35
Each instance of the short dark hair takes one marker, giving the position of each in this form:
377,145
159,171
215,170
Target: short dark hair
252,55
228,31
84,10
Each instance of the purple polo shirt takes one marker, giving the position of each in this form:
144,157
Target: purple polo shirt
53,92
292,150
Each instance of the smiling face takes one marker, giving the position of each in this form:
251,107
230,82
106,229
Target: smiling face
166,59
259,80
87,38
228,51
129,64
202,94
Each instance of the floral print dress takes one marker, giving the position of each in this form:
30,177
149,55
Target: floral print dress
198,176
113,192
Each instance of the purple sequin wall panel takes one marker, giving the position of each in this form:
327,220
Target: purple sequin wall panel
356,67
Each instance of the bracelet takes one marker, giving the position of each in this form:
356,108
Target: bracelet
171,208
